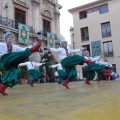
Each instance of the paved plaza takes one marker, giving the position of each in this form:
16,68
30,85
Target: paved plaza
50,101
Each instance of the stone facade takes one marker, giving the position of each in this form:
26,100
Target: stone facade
35,12
96,16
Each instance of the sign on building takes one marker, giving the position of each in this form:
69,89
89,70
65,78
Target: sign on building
50,40
23,33
96,48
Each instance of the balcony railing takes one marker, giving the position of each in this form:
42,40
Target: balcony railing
14,24
11,23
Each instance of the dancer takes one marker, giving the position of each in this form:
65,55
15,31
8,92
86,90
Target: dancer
12,55
36,74
100,67
69,62
106,68
60,72
56,76
90,69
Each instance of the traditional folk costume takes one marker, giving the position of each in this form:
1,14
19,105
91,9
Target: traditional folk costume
36,74
69,62
99,67
60,72
91,68
56,76
106,70
12,55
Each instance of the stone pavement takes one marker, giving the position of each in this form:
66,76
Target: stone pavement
50,101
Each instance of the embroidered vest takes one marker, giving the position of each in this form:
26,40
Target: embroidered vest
9,48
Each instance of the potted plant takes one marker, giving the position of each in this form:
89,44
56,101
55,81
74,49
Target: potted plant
23,74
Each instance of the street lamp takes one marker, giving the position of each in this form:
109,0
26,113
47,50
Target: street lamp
6,7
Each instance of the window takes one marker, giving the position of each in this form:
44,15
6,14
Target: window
20,16
108,48
83,14
90,11
106,29
95,9
103,8
86,52
46,27
84,34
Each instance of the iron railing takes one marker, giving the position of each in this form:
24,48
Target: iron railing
10,23
13,24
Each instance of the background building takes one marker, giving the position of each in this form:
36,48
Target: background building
37,16
97,28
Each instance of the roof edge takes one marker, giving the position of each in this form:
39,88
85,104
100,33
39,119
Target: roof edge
87,5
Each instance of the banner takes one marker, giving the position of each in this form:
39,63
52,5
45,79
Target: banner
96,48
50,40
23,33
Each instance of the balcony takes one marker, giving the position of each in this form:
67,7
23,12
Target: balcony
10,23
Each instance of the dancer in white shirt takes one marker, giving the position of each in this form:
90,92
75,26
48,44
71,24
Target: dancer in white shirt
12,55
101,68
56,76
35,73
69,62
60,72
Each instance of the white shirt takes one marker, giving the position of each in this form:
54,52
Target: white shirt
30,65
79,75
92,59
15,48
84,65
58,66
56,73
104,63
62,52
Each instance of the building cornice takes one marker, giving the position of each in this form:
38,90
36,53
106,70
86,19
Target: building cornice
86,6
55,3
21,3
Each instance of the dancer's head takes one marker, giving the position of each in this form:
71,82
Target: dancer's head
30,58
63,43
86,53
9,37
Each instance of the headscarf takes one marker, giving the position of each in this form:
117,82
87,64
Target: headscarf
62,42
7,34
